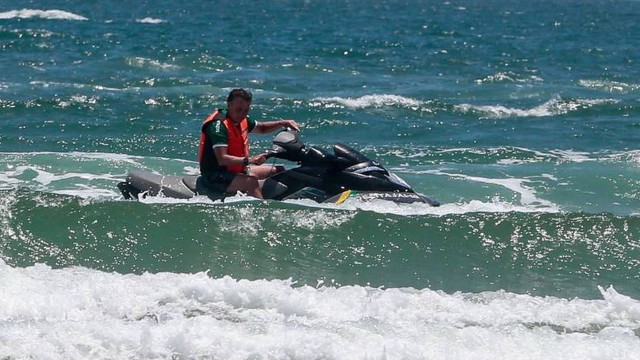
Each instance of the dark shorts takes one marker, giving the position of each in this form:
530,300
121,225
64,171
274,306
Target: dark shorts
219,180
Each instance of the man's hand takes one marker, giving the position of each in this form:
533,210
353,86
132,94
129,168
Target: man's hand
290,123
270,126
258,159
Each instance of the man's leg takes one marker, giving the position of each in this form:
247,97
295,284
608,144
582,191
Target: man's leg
247,184
264,171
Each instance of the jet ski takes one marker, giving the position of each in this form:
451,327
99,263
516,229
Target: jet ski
320,175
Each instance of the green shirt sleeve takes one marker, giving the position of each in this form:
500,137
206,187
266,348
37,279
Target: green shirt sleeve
217,132
251,123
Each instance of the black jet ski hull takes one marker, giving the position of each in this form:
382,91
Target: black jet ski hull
321,175
142,184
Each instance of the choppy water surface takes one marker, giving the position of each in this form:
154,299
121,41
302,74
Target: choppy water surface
521,119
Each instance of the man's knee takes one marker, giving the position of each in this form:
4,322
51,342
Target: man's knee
246,183
252,181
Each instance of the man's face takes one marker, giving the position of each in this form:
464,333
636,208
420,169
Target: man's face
238,109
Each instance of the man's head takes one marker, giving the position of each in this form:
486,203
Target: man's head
238,104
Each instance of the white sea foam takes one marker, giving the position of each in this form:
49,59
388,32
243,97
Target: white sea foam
508,77
8,179
495,205
555,106
45,178
161,199
472,206
126,158
574,156
319,220
47,84
528,198
150,20
43,14
634,156
48,171
352,205
499,111
561,155
152,63
372,101
610,86
78,100
87,192
81,313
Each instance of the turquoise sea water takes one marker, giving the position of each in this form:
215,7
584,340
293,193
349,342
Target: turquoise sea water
522,119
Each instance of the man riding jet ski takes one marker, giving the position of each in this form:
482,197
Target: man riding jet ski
321,176
224,165
224,147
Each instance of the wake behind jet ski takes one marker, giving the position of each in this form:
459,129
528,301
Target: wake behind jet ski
321,176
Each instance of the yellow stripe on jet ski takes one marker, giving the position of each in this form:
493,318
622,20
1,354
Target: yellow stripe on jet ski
344,196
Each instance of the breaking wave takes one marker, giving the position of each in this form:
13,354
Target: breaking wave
150,20
610,86
553,107
42,14
370,101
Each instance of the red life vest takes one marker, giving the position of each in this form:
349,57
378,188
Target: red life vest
237,139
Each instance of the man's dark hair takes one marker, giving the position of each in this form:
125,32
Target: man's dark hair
241,93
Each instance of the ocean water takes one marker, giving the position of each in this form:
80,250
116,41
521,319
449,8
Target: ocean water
521,118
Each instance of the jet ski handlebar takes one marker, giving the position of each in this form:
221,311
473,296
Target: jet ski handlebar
287,145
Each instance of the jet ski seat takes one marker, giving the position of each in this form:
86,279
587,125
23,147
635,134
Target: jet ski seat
191,182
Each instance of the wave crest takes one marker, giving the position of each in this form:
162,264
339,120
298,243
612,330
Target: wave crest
509,76
610,86
553,107
43,14
368,101
149,20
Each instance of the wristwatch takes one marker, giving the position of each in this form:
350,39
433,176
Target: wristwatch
245,161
